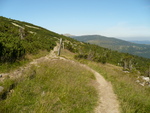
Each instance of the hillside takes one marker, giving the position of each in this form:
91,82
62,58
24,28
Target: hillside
44,83
116,44
71,83
47,87
20,41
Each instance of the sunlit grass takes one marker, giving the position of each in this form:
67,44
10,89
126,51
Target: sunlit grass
56,86
6,67
67,54
41,53
133,98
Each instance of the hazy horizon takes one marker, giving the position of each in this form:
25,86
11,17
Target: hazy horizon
122,38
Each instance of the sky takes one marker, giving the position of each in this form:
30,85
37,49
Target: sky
123,19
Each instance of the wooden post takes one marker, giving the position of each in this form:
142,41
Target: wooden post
21,35
149,71
63,45
59,50
125,65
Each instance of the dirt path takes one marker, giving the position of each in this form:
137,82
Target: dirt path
18,73
107,102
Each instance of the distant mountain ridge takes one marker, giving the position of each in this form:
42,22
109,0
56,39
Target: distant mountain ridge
141,42
116,44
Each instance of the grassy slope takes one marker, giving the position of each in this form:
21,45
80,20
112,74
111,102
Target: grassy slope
133,98
58,86
26,97
37,42
7,67
65,87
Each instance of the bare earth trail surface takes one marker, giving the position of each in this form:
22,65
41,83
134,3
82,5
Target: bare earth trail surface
107,102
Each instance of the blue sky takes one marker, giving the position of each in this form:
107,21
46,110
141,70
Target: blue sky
124,19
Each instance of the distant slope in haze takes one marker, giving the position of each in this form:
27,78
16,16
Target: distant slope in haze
141,42
116,44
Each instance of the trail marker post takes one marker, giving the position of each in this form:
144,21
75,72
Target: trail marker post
59,49
149,71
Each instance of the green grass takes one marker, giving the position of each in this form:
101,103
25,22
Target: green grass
133,98
7,67
55,87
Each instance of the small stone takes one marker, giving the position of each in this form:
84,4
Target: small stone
137,81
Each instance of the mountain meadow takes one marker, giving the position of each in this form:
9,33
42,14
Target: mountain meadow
35,80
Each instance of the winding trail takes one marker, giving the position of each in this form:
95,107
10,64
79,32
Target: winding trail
107,103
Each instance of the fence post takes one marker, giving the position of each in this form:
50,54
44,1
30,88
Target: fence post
59,50
149,71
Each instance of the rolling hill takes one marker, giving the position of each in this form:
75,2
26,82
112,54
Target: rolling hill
116,44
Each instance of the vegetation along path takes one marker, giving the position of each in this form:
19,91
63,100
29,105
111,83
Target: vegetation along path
107,102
